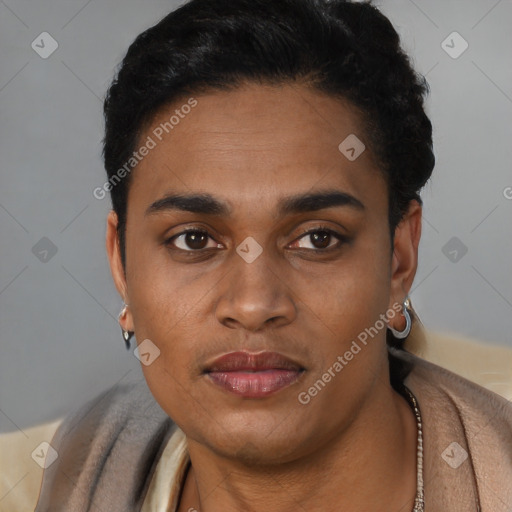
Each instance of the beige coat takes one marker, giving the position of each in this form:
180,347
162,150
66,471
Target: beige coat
467,434
467,441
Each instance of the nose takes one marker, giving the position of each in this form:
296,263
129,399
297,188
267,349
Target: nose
255,295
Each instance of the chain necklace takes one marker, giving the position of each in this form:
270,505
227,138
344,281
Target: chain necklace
419,500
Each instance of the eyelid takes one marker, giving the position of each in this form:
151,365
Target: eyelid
169,240
342,238
321,227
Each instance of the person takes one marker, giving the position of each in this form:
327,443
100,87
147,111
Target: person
264,160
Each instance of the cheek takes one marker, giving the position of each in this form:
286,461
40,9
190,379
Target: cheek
351,307
175,394
175,328
162,295
359,290
167,312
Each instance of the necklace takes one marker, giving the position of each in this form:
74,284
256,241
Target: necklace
419,500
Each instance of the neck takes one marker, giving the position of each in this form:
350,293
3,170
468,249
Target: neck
369,466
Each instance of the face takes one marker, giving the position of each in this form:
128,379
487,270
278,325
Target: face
286,262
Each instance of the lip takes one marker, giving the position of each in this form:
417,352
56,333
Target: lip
253,375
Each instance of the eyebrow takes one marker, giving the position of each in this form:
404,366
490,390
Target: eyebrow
300,203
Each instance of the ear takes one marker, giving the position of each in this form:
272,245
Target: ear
116,266
405,253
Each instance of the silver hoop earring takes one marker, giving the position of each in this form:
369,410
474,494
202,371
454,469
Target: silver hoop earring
127,335
408,323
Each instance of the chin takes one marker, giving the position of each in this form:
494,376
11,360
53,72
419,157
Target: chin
260,452
258,442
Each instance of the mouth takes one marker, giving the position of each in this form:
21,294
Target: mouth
253,375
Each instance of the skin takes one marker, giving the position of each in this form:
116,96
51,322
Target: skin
249,148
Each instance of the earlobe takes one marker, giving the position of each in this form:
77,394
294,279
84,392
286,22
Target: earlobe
127,334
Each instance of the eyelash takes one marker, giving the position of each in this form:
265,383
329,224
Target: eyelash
342,239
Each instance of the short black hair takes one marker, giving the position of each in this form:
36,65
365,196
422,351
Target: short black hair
346,49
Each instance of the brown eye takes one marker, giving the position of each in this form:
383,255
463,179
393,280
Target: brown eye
191,240
320,239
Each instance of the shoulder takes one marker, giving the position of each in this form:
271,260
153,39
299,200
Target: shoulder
24,454
465,427
108,449
120,408
28,455
472,377
486,364
466,424
470,399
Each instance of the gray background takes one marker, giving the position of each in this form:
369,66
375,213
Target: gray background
60,341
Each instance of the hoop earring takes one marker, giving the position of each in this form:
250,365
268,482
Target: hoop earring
127,335
408,323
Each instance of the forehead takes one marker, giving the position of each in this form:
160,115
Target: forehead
255,140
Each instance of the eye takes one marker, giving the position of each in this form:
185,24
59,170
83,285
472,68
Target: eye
192,240
321,239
